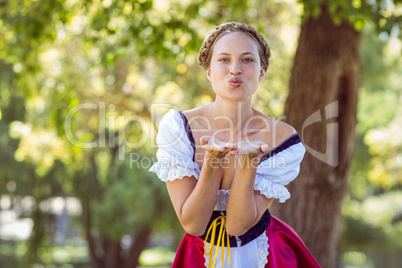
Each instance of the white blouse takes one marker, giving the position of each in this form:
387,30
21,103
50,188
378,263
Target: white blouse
175,161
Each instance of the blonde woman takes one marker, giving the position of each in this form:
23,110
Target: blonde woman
225,162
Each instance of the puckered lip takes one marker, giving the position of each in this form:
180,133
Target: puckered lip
235,80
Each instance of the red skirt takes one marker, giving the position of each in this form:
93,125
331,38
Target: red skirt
286,249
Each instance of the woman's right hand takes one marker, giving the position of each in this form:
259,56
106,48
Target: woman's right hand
215,147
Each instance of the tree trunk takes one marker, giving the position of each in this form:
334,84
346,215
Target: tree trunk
96,262
321,106
112,254
37,234
143,236
141,242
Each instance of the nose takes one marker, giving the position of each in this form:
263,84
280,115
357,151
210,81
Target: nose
235,69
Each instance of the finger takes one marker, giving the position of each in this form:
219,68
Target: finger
243,152
204,140
231,145
206,146
264,148
218,147
213,147
233,152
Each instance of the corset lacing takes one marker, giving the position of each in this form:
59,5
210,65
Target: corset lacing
221,238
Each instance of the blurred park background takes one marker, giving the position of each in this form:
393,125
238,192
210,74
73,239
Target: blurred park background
79,80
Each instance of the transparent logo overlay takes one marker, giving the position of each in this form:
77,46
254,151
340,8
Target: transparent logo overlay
108,123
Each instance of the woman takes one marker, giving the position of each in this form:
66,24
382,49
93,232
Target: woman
225,162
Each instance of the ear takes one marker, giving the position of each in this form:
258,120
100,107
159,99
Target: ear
262,74
208,73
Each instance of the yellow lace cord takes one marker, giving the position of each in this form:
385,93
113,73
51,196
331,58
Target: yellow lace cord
221,238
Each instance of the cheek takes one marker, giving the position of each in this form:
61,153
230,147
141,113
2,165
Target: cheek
254,72
217,71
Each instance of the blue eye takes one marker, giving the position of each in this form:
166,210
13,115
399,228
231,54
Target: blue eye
224,60
248,60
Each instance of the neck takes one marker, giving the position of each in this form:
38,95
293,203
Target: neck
231,116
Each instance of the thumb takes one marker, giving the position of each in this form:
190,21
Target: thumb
264,147
204,140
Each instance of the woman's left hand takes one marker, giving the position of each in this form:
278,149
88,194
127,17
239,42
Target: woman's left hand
250,148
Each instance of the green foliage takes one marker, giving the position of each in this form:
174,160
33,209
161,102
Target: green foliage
10,253
379,111
385,15
157,256
27,24
373,223
372,212
131,197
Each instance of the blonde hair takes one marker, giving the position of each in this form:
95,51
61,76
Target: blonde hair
204,57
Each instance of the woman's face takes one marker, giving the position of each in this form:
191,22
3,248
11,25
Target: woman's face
235,70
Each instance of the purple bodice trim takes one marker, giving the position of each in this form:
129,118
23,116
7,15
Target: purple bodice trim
292,140
188,132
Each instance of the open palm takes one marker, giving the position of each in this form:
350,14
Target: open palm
250,148
216,147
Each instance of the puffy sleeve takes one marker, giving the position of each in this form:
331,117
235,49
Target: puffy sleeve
175,153
278,168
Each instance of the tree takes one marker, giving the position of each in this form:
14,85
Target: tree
120,57
116,198
324,85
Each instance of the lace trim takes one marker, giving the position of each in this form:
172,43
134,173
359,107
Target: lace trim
271,189
222,200
262,244
171,173
206,257
226,192
262,251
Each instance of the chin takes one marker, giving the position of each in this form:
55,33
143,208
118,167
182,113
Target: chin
235,94
236,97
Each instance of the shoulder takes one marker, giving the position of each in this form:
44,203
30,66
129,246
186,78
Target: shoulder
283,131
279,131
171,128
171,119
199,117
198,111
171,115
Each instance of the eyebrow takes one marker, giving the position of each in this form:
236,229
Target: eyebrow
245,53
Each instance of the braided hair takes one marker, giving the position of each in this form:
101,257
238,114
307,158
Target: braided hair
205,54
